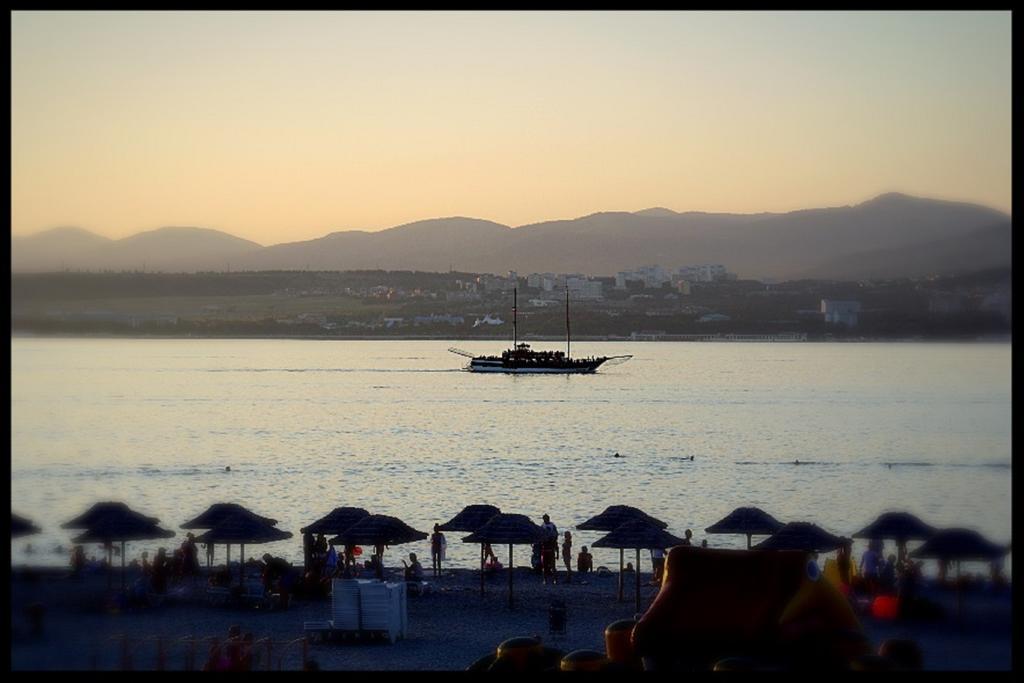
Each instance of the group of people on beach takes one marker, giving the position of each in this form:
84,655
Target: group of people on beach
236,653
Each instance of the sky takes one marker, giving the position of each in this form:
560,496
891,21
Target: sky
281,126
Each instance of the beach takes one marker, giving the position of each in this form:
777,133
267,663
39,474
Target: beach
449,628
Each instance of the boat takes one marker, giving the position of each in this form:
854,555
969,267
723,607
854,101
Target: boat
521,359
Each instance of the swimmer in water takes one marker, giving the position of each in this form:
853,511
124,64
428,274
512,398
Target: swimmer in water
616,455
228,468
796,462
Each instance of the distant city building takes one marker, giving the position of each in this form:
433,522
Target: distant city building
711,272
713,318
840,312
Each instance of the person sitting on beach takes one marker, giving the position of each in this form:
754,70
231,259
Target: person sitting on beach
413,571
489,555
629,568
584,561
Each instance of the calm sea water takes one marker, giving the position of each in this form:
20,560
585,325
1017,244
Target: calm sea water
396,427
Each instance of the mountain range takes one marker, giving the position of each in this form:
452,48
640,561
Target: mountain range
892,235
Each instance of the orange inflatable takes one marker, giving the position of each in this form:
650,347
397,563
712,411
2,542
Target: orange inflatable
760,604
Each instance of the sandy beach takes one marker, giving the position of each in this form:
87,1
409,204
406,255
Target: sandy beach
449,628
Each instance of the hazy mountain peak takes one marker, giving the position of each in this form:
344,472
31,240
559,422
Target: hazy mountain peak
657,212
66,232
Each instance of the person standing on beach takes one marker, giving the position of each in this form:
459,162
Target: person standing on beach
548,548
437,547
567,556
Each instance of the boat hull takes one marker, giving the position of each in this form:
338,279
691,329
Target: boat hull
582,369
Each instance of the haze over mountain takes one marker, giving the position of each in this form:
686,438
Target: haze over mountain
893,235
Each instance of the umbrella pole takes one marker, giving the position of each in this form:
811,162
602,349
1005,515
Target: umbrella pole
510,576
748,541
122,565
621,565
110,565
227,564
481,570
638,580
241,564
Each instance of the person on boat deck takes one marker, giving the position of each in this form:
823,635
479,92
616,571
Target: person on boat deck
584,561
413,571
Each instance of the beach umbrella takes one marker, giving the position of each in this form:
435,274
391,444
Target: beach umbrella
215,514
470,519
507,528
334,522
898,526
379,530
638,534
802,536
100,510
22,527
220,511
747,521
241,528
121,528
956,545
100,513
612,518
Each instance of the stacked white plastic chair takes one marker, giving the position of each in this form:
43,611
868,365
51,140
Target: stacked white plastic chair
345,605
380,608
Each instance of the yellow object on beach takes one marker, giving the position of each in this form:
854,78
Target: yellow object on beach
831,571
519,651
583,660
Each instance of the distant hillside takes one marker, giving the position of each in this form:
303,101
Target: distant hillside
172,249
890,234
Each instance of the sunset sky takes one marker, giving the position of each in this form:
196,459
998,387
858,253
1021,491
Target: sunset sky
285,126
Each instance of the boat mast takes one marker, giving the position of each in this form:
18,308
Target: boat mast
514,335
567,322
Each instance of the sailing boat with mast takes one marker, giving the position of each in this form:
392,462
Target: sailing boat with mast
521,359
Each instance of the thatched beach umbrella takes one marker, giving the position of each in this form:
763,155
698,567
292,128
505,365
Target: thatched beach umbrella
22,527
956,545
379,530
638,534
898,526
99,511
217,513
122,528
242,528
111,514
507,528
612,518
334,522
470,519
747,521
802,536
